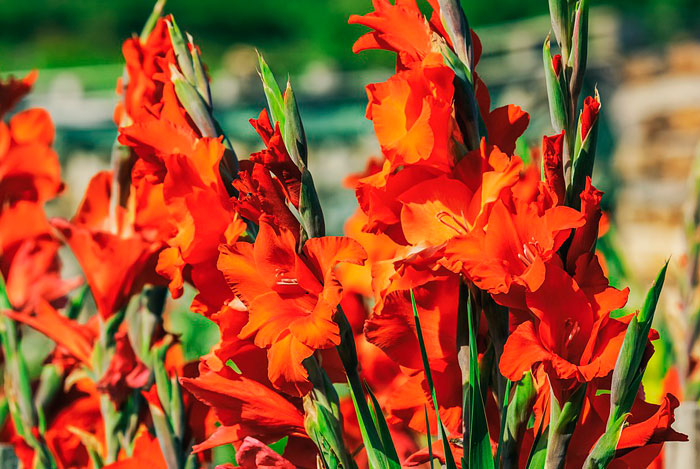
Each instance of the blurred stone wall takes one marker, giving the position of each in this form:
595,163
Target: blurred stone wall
656,121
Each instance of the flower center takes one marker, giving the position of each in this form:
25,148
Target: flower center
282,280
571,328
530,251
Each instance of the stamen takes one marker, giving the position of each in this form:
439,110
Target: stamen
574,328
282,280
452,222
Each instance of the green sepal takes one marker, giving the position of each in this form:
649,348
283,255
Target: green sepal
323,420
560,16
92,445
168,442
201,81
467,109
517,415
563,419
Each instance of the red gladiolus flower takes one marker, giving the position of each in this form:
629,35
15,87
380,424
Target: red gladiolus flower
301,290
29,168
12,90
145,62
412,114
514,246
571,337
589,115
254,454
400,28
552,155
116,260
146,453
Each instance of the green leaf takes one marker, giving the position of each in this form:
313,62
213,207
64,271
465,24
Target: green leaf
479,445
373,444
77,302
383,429
430,438
279,445
449,459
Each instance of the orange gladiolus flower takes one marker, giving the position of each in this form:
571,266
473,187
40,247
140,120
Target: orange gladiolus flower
146,453
12,90
33,274
253,454
233,381
572,336
29,168
116,260
516,243
412,114
291,297
400,28
146,62
29,176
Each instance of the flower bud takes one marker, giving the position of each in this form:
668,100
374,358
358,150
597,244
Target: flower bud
193,103
457,27
556,88
182,53
293,131
579,49
584,149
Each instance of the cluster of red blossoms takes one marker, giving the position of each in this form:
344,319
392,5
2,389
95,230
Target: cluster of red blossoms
463,269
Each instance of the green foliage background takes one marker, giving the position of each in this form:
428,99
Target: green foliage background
53,33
